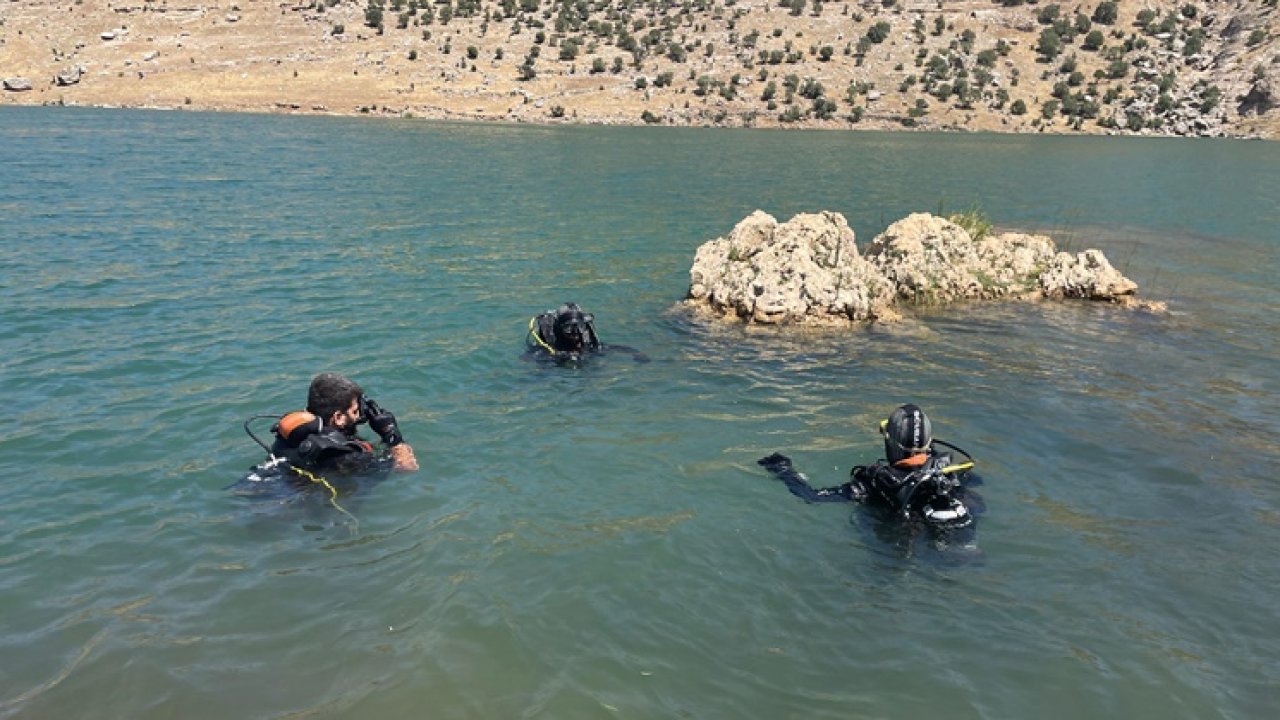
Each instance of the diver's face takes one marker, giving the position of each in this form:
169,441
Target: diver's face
573,334
346,420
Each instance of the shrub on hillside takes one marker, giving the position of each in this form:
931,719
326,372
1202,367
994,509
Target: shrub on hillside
879,32
1106,13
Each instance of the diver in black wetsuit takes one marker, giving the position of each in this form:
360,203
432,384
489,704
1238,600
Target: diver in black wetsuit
915,482
568,334
323,439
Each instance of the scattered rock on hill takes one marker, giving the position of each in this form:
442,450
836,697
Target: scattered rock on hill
70,76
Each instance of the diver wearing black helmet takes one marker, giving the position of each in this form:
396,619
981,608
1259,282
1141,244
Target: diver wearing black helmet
915,481
567,334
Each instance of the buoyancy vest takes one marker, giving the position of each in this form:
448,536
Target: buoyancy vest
906,486
304,441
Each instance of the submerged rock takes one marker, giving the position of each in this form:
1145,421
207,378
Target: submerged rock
808,270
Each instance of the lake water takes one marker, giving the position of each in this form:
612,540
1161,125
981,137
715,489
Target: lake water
600,543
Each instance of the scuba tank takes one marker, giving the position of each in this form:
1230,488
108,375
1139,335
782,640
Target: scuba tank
277,467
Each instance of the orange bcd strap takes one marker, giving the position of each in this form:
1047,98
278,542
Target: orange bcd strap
914,461
299,419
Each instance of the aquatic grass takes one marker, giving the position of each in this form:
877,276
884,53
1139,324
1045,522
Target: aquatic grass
974,221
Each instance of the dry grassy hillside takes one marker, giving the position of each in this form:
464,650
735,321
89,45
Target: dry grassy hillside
1195,67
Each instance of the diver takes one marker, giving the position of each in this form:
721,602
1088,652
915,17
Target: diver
323,439
915,482
568,334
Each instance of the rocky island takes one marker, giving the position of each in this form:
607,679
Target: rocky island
808,270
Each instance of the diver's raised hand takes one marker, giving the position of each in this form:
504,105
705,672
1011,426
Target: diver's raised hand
384,423
775,462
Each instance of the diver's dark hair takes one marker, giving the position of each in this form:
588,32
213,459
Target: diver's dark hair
330,393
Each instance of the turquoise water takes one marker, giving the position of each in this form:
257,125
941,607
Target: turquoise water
599,542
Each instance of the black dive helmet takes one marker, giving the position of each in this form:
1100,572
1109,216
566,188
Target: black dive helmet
574,327
907,432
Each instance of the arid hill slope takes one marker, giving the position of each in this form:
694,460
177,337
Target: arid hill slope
1196,67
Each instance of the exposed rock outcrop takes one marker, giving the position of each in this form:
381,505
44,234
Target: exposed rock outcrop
929,259
805,270
1262,97
808,270
1085,275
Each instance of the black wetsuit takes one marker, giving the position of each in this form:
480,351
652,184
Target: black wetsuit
924,491
544,340
545,328
331,451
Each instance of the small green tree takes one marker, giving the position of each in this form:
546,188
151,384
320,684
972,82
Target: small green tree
1209,98
1018,107
1049,45
1106,13
879,32
1048,14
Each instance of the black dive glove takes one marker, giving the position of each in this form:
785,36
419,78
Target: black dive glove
383,423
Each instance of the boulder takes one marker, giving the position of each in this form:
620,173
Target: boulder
927,259
17,84
932,260
70,76
1085,275
806,270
